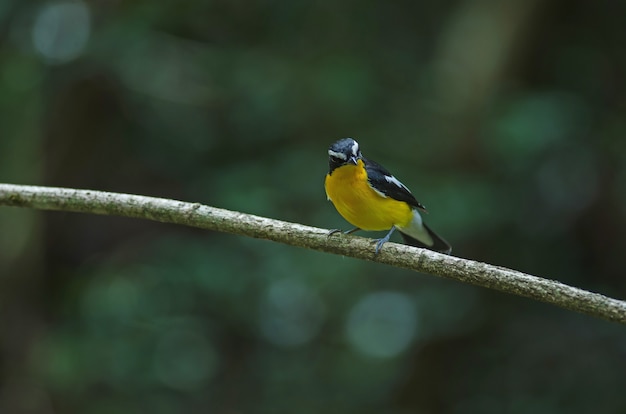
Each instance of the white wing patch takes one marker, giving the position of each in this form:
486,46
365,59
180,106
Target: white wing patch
393,180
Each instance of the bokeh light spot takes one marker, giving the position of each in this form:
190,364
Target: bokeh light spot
291,313
184,359
382,324
61,31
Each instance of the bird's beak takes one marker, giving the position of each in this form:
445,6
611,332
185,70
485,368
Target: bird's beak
353,160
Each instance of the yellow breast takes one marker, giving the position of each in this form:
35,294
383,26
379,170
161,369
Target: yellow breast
360,205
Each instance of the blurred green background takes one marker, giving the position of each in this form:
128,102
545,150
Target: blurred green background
507,119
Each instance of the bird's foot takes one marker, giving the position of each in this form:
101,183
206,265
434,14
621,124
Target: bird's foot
380,242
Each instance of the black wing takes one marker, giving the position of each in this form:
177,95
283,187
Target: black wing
384,182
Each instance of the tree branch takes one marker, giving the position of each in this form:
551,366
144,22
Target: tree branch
210,218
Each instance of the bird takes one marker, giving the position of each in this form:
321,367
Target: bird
370,198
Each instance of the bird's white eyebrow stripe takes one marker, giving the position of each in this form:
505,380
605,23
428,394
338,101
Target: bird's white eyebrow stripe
339,155
394,180
355,148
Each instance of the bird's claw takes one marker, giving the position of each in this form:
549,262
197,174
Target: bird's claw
379,245
332,231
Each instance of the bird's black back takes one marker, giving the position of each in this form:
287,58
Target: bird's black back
376,174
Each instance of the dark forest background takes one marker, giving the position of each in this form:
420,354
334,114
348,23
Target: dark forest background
507,119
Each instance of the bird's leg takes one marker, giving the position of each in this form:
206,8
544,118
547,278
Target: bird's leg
384,240
333,231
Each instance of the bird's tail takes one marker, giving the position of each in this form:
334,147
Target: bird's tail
438,244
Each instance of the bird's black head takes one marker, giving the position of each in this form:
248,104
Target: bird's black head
345,151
